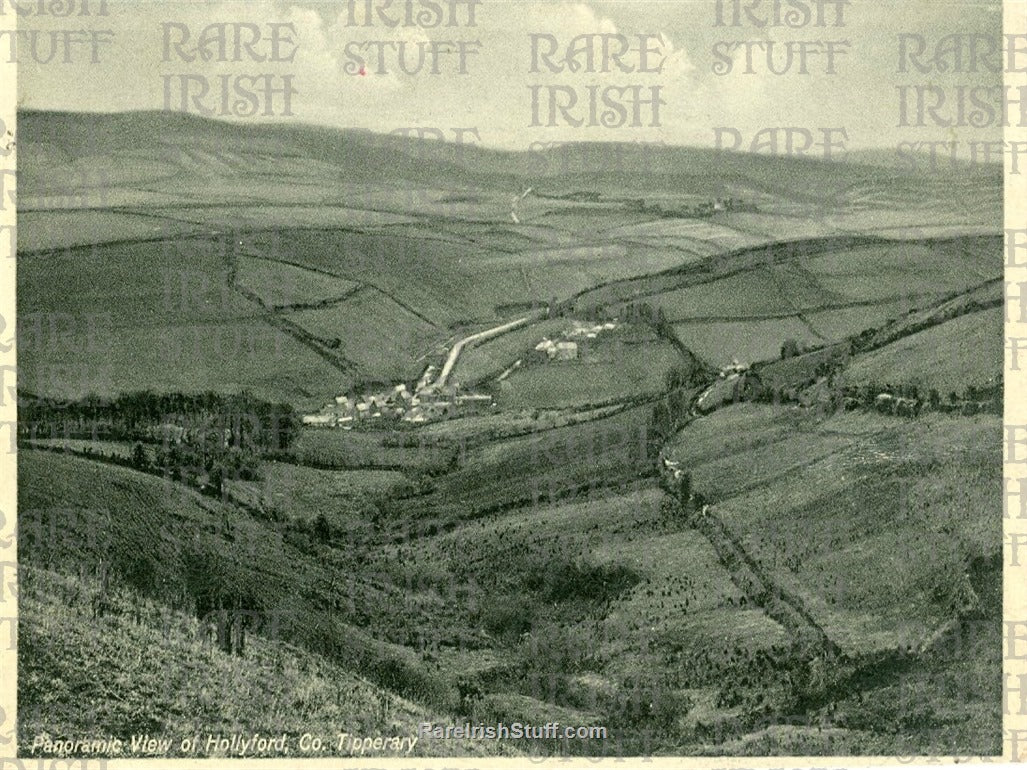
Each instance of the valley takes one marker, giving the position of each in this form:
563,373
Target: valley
756,512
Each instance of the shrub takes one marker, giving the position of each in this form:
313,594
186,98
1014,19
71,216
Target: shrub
507,617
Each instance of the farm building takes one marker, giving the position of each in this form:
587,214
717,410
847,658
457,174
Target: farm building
735,368
426,379
558,351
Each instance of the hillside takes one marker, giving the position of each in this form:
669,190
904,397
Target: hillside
143,668
172,231
172,558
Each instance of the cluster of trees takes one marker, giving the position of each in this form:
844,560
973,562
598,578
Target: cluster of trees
975,399
643,312
670,413
905,400
790,348
668,416
204,464
203,440
246,421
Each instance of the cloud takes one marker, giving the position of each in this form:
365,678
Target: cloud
494,95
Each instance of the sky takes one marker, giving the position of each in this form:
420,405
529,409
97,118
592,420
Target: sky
498,94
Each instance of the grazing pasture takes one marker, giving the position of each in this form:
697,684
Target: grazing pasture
279,285
832,507
967,350
899,268
227,357
718,342
387,341
356,450
435,279
342,497
841,323
492,357
629,371
53,230
746,295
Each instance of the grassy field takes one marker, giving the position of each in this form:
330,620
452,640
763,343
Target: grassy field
750,294
282,213
383,338
434,278
554,464
718,342
701,230
50,230
158,283
188,357
967,350
492,357
362,450
839,323
279,285
880,272
159,316
117,449
564,272
345,498
626,372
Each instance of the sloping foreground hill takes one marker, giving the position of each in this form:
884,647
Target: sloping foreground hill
144,668
126,658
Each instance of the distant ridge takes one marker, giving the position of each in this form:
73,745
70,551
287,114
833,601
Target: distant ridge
175,143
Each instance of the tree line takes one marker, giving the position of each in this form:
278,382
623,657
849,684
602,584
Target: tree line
241,420
203,440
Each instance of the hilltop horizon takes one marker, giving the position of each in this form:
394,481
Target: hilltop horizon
879,155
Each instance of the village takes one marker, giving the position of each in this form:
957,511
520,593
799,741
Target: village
433,397
428,401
